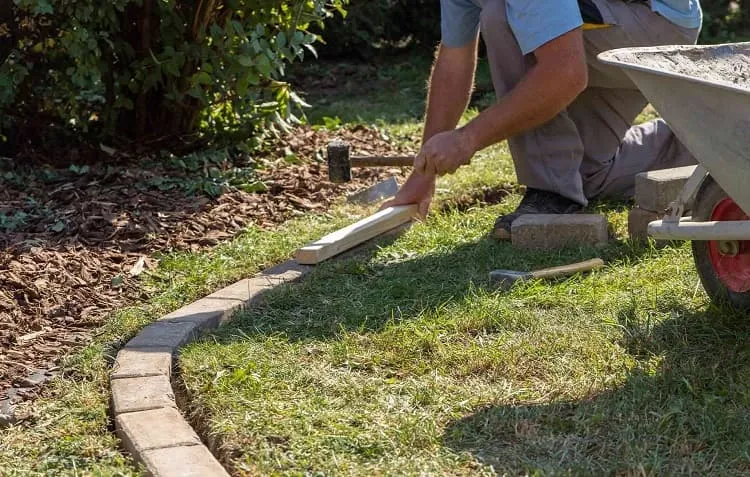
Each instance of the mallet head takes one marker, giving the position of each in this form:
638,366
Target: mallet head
339,162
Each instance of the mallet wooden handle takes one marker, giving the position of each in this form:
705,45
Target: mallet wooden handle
564,270
382,161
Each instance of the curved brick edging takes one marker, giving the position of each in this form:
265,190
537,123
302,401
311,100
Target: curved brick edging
147,419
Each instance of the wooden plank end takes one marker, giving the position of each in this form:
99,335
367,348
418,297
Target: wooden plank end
355,234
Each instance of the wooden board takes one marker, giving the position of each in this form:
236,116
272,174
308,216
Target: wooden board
355,234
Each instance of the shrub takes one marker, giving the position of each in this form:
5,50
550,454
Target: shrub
725,21
146,70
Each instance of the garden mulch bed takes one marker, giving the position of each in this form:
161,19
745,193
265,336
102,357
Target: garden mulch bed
75,250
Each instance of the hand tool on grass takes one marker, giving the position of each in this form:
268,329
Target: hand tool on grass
340,161
506,278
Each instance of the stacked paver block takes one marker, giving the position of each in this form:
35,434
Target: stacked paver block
654,191
146,416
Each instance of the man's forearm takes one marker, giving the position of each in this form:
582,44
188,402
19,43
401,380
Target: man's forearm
450,89
450,86
543,92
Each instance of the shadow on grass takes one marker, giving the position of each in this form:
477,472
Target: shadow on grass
691,416
684,406
358,293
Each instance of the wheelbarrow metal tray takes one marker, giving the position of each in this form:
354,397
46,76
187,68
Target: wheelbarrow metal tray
703,93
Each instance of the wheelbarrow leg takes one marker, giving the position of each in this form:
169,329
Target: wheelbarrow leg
687,195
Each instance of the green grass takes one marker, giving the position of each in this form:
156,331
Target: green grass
68,430
404,360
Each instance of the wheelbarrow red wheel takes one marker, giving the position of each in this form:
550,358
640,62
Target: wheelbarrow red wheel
723,266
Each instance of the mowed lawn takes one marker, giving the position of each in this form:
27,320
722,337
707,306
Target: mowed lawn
404,360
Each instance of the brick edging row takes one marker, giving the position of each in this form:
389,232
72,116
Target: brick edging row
147,419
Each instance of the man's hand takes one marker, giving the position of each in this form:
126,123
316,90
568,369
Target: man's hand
444,153
449,93
419,190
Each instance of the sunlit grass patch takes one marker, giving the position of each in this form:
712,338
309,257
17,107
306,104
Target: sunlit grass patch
405,360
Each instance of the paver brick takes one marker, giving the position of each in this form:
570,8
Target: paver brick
551,231
141,394
185,461
164,334
638,220
218,307
655,190
154,429
140,362
143,402
205,313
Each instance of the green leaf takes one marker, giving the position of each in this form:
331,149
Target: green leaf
254,187
214,172
201,77
238,28
243,83
58,226
245,61
43,7
80,170
196,93
263,64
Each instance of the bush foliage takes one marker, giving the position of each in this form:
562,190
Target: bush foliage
147,69
725,21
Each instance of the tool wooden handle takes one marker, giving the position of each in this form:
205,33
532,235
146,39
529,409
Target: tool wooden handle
382,161
569,269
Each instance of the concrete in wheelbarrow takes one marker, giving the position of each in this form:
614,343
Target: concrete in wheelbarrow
147,419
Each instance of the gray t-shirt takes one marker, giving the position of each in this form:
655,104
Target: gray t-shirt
535,22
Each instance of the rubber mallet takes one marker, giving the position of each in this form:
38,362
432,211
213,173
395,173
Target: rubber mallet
505,279
340,161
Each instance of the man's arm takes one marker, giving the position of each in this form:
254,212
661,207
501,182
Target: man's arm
559,75
449,91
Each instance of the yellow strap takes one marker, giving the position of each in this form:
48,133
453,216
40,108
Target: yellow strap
595,26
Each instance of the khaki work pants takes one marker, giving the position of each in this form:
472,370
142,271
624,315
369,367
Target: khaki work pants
591,149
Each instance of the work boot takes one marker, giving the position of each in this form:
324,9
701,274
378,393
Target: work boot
535,201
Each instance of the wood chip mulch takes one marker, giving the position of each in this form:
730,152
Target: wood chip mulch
74,256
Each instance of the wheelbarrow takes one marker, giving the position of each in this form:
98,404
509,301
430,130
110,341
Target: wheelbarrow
703,93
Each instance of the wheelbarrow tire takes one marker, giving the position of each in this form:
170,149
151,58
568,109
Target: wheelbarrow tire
708,197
